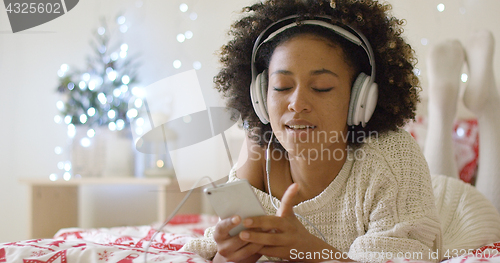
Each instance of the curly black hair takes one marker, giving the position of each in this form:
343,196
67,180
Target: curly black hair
395,59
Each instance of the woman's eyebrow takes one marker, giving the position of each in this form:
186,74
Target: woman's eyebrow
323,71
282,72
313,72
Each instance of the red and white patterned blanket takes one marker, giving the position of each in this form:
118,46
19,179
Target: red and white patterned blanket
117,245
128,244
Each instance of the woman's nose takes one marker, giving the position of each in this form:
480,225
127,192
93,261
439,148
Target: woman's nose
299,101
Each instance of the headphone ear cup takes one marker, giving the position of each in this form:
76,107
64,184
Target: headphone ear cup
258,94
364,96
355,90
263,91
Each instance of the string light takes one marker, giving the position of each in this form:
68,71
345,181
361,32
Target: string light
106,59
132,113
92,85
183,7
197,65
440,7
64,67
138,103
67,176
181,38
112,75
102,98
101,31
125,79
123,88
53,177
67,119
83,118
60,73
67,166
60,105
112,126
86,76
464,77
123,28
91,111
71,130
82,85
177,64
138,92
91,133
120,20
120,124
112,114
57,119
117,92
85,142
58,150
139,121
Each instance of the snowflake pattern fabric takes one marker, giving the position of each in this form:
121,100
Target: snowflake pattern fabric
117,245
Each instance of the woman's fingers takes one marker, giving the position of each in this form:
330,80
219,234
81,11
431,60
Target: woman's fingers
286,207
244,252
224,226
230,246
267,239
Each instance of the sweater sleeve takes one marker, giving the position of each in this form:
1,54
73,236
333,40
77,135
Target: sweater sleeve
204,247
399,215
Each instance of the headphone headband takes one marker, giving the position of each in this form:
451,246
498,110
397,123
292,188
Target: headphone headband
288,22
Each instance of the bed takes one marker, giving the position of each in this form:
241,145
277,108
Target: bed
128,244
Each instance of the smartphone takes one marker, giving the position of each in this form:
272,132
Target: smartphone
235,198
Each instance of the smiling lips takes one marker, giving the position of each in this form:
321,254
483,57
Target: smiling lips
298,124
299,128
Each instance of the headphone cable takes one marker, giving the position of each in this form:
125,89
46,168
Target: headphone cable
268,171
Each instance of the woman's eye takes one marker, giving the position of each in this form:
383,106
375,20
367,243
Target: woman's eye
322,89
281,88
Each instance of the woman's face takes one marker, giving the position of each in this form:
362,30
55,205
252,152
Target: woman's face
308,95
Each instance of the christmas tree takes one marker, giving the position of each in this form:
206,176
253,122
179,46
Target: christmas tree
99,95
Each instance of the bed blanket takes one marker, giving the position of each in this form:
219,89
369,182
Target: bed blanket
128,244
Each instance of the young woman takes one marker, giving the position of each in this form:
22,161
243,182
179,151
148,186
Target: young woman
348,184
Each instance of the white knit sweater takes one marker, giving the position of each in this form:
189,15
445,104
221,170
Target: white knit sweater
468,219
380,205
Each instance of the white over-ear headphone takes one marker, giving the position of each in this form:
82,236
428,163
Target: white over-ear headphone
364,92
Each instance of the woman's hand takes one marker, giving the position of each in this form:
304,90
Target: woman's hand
233,248
287,232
